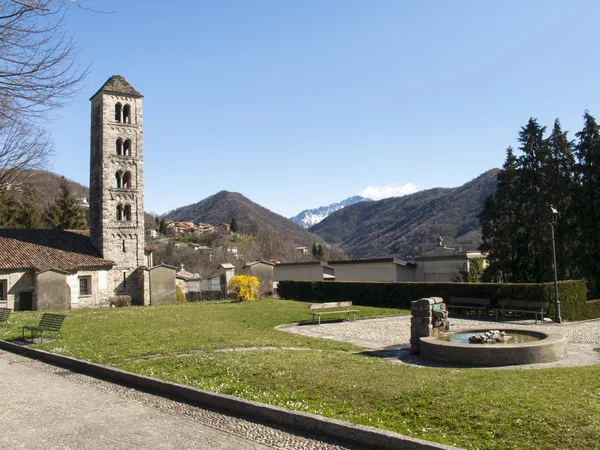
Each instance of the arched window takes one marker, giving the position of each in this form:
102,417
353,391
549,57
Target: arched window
127,147
126,114
118,113
127,212
119,147
119,179
127,180
119,212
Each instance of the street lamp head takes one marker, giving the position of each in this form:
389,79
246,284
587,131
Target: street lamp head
553,215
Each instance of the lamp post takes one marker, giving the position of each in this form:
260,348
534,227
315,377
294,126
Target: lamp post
553,219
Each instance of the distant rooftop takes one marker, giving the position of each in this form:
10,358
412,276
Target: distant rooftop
118,85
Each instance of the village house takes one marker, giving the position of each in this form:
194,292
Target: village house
380,269
443,264
263,271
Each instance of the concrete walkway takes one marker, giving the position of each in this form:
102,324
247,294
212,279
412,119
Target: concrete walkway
389,337
46,406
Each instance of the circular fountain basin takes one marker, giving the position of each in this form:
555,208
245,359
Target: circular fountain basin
540,347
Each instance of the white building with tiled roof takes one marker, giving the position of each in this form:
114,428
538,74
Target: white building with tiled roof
51,269
57,269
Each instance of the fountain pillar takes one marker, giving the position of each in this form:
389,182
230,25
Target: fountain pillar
428,318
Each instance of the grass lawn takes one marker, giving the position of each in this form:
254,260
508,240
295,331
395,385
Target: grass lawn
471,408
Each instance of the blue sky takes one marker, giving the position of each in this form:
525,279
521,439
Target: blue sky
301,104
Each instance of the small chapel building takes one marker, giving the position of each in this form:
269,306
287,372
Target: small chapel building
62,269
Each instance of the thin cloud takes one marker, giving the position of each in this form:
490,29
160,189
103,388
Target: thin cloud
388,190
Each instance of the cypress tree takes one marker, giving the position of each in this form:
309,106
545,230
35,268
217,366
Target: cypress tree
233,227
162,227
315,251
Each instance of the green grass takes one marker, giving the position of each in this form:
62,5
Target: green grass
113,336
470,408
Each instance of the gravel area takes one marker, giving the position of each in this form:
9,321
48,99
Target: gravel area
396,330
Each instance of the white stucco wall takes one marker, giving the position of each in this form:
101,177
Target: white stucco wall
16,282
100,290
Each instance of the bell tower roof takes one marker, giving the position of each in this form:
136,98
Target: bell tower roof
117,84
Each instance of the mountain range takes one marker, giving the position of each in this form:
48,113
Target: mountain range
310,217
406,226
399,226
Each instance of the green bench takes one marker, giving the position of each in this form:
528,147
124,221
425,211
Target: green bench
50,323
4,313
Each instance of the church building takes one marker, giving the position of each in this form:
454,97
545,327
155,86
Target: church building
62,269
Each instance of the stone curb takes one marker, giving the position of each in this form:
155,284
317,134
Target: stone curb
305,422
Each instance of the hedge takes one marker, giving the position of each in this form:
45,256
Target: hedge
572,294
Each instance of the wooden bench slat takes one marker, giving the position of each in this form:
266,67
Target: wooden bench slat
316,309
474,301
330,305
520,306
477,304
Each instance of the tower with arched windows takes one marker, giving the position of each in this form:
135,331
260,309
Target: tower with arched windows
117,184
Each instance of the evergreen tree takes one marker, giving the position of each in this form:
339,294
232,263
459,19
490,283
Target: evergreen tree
515,220
315,250
320,252
500,224
64,213
534,261
8,210
233,227
29,214
560,194
162,227
587,201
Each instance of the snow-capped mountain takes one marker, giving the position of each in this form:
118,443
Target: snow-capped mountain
310,217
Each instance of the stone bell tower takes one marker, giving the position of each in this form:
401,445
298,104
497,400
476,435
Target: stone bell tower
117,184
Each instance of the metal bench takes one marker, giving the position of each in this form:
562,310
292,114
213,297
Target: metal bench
469,304
50,323
4,313
520,306
316,309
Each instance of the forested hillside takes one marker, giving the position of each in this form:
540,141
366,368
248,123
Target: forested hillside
253,219
406,226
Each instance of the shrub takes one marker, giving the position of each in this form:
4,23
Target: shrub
571,294
118,301
244,287
180,295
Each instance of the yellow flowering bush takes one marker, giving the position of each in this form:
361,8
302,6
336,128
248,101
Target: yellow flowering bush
180,295
244,287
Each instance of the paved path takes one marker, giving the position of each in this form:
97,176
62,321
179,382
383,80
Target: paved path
47,406
389,337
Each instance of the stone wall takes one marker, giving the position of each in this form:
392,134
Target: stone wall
429,318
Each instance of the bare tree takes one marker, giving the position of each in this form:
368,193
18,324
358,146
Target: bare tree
22,146
38,71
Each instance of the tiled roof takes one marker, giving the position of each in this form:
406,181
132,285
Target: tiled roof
118,85
48,249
